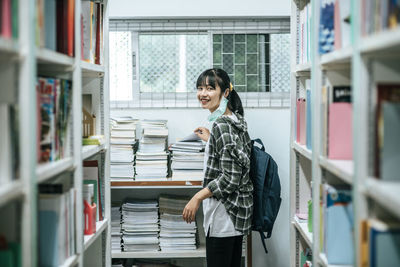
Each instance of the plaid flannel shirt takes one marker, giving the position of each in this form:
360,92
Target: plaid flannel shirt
228,167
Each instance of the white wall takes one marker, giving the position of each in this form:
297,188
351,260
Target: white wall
195,8
272,126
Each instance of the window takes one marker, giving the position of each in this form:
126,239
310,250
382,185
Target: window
171,62
172,54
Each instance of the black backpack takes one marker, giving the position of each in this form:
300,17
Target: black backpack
267,190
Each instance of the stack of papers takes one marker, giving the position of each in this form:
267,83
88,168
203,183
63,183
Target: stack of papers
123,134
188,159
140,225
116,228
151,162
175,233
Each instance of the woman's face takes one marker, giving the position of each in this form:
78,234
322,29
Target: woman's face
209,96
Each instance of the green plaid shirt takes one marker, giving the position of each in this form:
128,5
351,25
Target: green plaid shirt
228,167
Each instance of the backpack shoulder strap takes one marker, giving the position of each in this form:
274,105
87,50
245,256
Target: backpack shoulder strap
262,236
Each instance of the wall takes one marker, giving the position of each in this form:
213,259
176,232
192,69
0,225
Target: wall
194,8
272,126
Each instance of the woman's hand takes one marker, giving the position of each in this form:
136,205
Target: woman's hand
189,212
203,133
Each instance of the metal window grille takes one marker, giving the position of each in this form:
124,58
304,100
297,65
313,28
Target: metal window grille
167,55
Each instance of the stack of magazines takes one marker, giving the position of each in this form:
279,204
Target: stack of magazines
151,161
116,228
188,159
175,233
123,134
140,225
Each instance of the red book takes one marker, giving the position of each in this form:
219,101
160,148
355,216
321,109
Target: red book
6,25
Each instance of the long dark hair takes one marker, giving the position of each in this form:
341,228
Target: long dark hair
215,76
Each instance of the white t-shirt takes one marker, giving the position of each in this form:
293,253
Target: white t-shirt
216,218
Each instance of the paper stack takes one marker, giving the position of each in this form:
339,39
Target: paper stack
188,159
116,228
140,225
123,134
175,233
151,160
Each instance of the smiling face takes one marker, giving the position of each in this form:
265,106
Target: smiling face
209,96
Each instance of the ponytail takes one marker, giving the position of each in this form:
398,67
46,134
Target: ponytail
234,102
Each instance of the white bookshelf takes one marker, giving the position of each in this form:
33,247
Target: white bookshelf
368,60
100,227
303,150
303,230
91,150
22,191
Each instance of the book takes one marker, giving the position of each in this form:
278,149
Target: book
340,131
50,24
308,120
389,93
338,231
91,175
302,121
384,243
389,155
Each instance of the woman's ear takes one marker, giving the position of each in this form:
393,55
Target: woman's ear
226,93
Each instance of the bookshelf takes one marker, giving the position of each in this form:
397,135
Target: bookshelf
152,190
368,61
19,184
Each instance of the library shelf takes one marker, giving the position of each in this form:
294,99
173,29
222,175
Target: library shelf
343,169
302,68
200,252
155,184
303,230
47,56
8,47
324,262
48,170
303,150
71,261
91,150
386,41
342,56
385,193
10,191
91,70
89,239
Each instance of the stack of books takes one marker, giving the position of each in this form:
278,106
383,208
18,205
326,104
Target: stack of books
116,228
188,159
123,134
175,233
151,160
140,225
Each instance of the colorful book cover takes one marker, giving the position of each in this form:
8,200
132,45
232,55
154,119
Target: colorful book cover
6,24
340,131
326,27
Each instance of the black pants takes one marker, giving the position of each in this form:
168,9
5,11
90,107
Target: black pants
224,251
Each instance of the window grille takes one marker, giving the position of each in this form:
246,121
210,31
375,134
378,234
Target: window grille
165,58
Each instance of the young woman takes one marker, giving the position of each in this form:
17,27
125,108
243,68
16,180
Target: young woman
228,191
